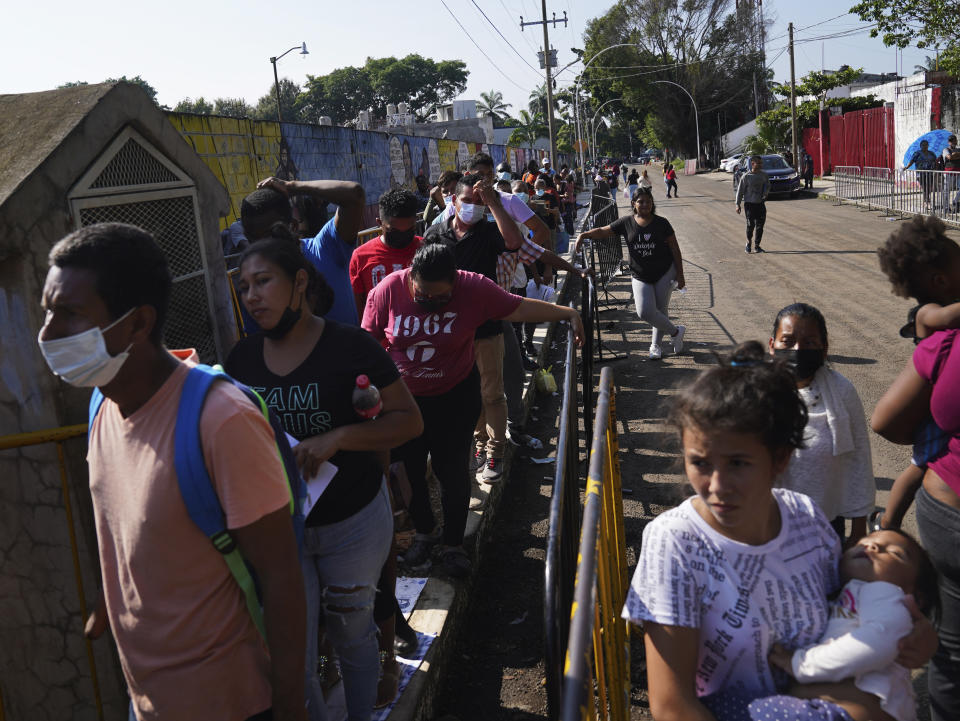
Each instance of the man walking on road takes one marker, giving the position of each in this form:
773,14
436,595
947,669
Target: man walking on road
752,192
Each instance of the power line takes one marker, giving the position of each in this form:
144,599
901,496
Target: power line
470,37
522,34
822,22
504,39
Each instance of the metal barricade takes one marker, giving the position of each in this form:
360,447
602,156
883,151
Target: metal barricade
57,436
847,182
561,559
601,585
878,187
903,192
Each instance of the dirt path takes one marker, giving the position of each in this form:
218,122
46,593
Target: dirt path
816,252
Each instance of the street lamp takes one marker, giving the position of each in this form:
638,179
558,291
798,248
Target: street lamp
593,128
696,117
276,81
576,93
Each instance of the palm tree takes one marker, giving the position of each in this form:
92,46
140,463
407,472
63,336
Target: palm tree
529,128
538,99
492,104
929,64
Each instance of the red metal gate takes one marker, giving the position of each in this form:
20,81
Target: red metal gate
863,138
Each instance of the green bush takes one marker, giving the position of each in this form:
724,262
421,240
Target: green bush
678,163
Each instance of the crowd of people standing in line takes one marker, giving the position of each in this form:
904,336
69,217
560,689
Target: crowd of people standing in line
751,607
430,321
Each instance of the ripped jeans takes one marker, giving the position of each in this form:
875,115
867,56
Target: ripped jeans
348,554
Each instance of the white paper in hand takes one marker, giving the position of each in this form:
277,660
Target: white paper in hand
318,483
542,292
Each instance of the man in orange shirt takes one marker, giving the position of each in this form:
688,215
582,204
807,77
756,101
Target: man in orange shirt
188,646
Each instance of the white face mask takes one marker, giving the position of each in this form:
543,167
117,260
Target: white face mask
470,213
504,176
525,197
82,360
541,192
447,199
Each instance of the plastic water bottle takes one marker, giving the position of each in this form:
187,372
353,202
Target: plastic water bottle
366,398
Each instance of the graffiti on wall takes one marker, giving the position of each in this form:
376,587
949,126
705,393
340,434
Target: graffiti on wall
240,152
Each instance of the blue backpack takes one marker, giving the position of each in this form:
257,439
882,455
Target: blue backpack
196,488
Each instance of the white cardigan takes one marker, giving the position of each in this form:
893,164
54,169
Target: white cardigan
835,469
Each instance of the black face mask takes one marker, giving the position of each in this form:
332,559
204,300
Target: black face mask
431,304
399,238
804,362
287,320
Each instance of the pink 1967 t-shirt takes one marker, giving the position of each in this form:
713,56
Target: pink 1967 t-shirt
434,349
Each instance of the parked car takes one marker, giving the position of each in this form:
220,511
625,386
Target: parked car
783,178
728,164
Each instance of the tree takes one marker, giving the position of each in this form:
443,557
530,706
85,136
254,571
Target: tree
924,23
266,108
198,107
492,104
420,82
232,108
817,83
135,80
528,129
929,64
708,47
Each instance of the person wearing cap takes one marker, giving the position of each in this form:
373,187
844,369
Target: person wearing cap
545,168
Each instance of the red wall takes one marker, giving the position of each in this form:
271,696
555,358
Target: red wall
861,138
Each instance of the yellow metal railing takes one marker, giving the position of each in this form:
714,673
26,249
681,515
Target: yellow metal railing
601,584
58,436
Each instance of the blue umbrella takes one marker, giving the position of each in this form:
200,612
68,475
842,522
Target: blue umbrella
937,140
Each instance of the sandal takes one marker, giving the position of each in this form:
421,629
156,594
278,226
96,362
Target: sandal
389,682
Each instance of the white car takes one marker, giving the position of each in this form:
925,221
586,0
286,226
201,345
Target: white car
728,164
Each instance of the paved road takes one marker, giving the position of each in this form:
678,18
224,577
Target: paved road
817,252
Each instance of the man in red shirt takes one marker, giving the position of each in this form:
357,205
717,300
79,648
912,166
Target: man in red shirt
392,250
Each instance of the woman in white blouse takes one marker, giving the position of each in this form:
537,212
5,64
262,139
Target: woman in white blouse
835,467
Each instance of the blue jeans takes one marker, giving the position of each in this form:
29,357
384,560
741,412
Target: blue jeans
345,555
938,526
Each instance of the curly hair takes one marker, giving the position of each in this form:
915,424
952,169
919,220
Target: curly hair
748,392
912,252
398,203
261,209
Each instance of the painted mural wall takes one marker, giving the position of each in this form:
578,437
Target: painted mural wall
240,152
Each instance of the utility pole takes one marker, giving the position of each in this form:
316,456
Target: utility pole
793,100
549,61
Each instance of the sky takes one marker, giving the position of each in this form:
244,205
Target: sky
216,49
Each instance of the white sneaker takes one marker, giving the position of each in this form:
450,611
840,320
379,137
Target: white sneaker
655,352
677,340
